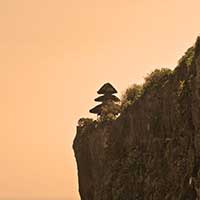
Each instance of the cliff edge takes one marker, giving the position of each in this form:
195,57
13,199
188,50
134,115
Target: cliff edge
152,150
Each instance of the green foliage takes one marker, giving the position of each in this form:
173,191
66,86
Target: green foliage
85,122
188,57
197,46
152,80
131,95
180,88
156,77
109,111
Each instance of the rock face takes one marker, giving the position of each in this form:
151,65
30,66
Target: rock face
152,151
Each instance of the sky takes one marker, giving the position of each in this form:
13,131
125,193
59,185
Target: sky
54,56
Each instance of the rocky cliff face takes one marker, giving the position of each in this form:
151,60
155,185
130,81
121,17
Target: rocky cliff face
152,151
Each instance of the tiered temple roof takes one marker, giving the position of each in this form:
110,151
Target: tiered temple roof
104,98
107,90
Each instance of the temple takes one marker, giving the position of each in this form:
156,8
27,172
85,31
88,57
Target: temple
107,91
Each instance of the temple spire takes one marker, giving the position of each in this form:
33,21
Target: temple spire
107,98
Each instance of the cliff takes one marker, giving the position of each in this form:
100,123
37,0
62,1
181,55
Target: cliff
152,150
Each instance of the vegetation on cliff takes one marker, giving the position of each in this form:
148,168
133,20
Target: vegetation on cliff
151,152
154,80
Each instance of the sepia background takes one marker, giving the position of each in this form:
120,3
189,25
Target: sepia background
54,55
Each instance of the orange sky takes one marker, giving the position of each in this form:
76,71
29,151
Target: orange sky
54,55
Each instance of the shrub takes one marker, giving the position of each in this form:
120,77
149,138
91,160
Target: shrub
156,77
188,57
85,122
134,92
131,95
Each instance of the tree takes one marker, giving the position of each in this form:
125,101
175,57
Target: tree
131,95
156,77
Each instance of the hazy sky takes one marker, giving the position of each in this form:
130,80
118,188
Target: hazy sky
54,55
